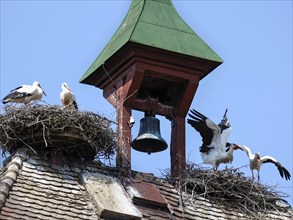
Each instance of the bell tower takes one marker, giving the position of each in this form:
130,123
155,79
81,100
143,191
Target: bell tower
153,64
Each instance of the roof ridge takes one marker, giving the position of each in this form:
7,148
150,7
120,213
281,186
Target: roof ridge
138,18
159,25
10,175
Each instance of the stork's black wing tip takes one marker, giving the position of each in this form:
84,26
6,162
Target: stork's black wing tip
283,171
286,174
75,105
205,149
197,114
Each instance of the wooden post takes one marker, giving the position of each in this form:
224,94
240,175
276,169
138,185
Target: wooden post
123,113
177,147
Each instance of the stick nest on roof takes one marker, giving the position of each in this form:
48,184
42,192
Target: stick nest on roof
228,188
79,133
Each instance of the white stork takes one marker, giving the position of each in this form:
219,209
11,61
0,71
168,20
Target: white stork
215,148
67,97
255,162
25,94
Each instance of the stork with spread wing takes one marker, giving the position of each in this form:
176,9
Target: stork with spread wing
215,149
255,162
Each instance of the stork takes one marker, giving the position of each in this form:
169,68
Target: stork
25,94
215,148
255,162
67,97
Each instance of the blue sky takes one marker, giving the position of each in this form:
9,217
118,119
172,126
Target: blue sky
56,41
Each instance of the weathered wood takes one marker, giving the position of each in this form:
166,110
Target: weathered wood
110,197
127,73
178,155
123,113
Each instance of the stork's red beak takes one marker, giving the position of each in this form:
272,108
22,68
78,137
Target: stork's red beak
68,88
236,147
43,90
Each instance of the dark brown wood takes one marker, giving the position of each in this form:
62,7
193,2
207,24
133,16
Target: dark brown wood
131,80
178,158
132,53
123,113
150,79
159,109
185,99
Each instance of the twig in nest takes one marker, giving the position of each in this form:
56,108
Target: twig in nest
229,188
52,126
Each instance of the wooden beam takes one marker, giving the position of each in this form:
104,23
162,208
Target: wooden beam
131,81
123,113
185,98
178,157
159,109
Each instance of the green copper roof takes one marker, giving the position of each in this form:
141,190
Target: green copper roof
155,23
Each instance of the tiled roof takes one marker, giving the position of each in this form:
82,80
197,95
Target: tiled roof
32,188
43,192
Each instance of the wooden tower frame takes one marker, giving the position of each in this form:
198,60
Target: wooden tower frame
153,63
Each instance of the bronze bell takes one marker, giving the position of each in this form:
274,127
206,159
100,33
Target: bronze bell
149,138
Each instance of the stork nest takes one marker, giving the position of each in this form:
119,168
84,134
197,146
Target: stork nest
78,133
228,188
